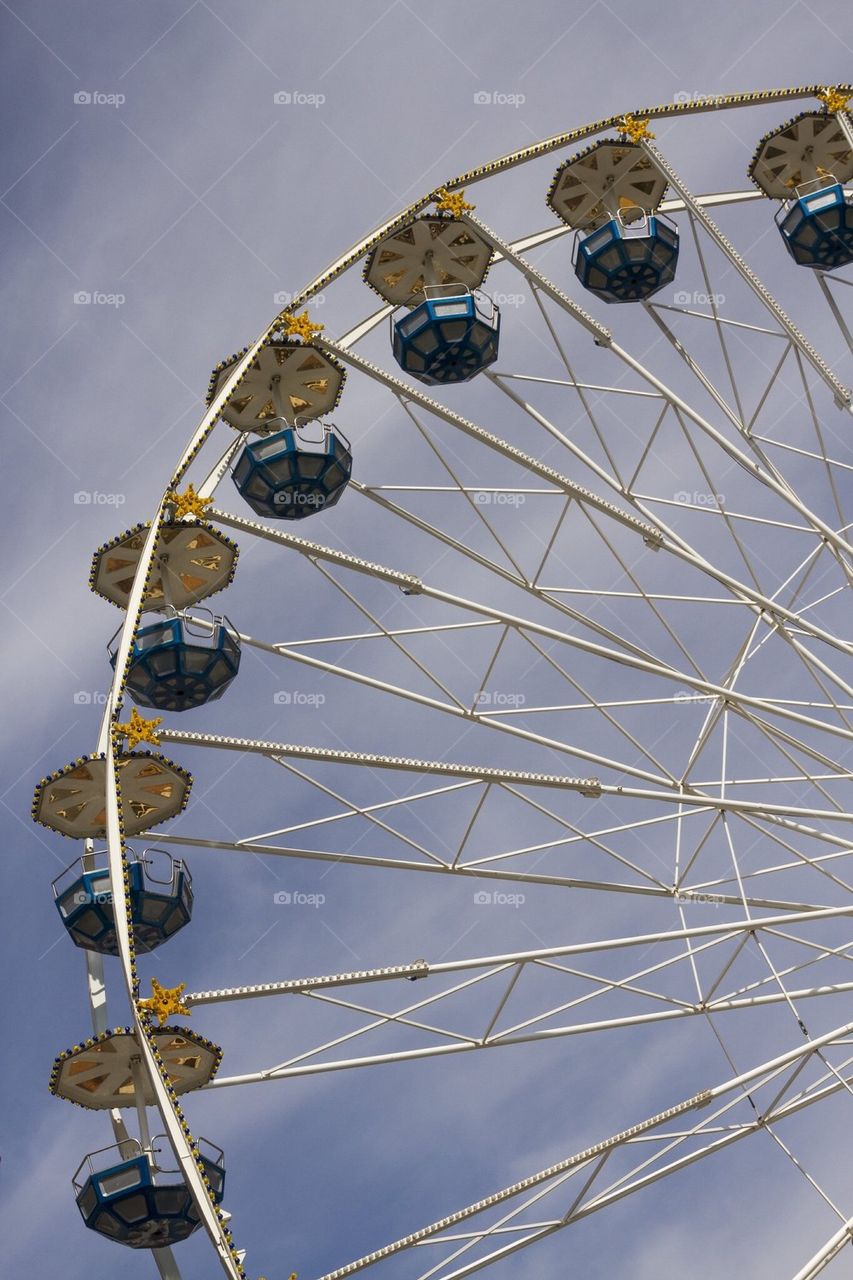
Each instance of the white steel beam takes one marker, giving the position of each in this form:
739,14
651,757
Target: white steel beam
743,1085
422,968
590,787
650,666
256,845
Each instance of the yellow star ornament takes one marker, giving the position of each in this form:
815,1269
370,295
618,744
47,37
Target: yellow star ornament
139,730
301,326
636,129
833,99
188,503
452,202
164,1001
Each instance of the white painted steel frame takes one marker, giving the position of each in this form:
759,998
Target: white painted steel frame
769,613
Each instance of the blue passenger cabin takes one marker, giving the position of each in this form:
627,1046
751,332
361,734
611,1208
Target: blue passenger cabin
179,663
628,259
135,1203
295,471
449,337
161,900
817,225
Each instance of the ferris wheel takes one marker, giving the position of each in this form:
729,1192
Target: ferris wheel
598,549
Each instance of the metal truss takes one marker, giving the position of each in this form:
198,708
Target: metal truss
671,584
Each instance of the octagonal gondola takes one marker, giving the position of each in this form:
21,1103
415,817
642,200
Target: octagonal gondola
161,900
628,259
806,163
181,662
434,267
449,337
609,193
123,1194
296,471
817,225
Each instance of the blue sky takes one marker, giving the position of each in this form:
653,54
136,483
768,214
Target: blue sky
148,167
